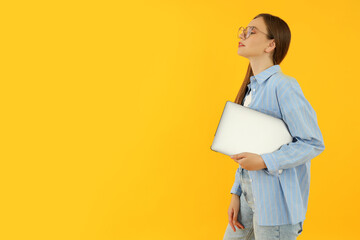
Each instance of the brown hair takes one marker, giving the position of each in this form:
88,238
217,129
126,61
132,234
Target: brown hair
277,29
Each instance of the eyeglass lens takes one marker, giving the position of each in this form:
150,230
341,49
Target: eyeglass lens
244,32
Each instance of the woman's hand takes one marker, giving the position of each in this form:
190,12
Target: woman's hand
233,212
249,161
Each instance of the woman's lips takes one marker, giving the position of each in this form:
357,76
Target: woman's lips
241,45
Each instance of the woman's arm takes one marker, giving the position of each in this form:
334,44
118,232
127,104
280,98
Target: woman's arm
301,121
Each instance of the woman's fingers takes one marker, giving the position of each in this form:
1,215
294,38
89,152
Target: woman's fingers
235,222
232,226
230,219
239,225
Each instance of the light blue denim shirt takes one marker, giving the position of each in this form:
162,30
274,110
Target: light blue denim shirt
281,191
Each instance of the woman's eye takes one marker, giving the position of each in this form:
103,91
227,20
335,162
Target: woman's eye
252,32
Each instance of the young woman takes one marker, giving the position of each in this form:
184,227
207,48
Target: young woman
270,193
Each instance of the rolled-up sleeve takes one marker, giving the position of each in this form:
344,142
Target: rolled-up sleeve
301,121
236,188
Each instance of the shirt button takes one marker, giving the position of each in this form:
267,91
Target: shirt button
254,90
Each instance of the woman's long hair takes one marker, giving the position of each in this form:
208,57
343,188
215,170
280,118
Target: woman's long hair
279,30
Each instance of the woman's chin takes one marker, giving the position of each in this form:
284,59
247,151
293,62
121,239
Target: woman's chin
240,54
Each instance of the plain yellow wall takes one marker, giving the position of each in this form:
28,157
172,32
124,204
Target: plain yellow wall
109,108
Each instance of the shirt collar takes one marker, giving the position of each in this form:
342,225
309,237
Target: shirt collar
265,74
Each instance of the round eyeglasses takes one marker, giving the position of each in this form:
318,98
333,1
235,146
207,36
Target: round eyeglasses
245,33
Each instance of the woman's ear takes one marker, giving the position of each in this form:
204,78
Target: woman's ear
271,46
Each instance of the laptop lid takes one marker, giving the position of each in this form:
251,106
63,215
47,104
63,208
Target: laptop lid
242,129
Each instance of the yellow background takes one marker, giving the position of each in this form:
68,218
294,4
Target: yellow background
109,109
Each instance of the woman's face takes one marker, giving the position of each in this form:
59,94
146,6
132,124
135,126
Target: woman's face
257,44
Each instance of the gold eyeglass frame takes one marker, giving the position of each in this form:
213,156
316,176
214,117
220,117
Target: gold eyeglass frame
248,33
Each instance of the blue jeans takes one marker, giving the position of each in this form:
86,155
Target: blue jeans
247,217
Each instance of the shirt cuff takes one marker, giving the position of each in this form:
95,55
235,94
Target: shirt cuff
271,164
236,190
267,171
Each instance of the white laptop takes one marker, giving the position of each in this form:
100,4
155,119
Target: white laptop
242,129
